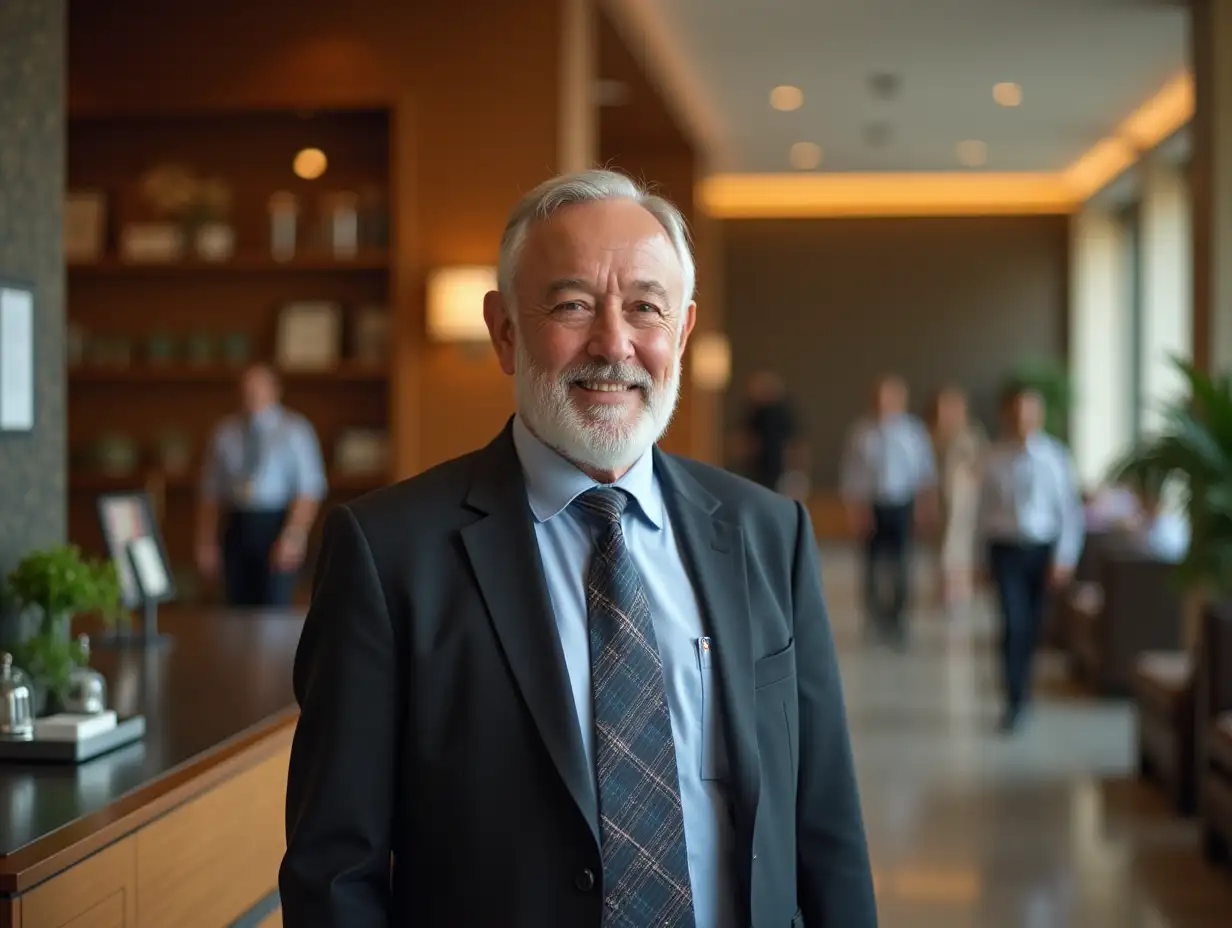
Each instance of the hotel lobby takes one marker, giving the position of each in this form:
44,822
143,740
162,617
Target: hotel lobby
960,193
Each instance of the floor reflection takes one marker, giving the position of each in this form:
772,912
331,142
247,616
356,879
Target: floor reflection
969,830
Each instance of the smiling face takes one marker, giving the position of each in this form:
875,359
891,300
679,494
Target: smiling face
599,332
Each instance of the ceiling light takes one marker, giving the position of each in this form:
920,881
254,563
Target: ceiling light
805,155
1007,94
309,163
786,98
972,153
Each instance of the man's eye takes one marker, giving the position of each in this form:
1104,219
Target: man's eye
571,306
647,308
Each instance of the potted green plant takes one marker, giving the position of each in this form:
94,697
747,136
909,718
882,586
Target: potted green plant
49,587
1193,451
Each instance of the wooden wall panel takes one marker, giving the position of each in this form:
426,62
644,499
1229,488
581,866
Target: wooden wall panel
210,860
474,88
99,892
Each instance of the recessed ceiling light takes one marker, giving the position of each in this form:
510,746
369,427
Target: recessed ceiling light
1007,94
972,153
786,98
805,155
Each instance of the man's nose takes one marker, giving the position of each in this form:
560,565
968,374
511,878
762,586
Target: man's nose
610,336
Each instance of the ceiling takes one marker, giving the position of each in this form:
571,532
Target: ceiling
1083,66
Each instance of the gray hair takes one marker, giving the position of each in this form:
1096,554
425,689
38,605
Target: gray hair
590,187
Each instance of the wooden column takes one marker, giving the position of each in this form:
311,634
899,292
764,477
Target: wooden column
639,135
1211,183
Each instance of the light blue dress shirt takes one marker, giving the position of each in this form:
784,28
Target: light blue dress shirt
288,462
566,539
1030,494
887,462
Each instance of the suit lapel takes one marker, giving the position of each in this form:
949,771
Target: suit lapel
714,555
504,554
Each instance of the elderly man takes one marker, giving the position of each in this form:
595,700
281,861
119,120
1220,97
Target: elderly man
569,680
261,486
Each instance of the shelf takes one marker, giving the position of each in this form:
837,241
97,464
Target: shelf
96,482
352,371
241,262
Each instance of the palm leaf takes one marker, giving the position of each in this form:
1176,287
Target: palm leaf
1194,449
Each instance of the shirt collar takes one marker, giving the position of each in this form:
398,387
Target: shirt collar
268,416
552,482
1034,446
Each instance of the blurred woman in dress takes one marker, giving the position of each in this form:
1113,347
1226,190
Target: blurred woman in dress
958,444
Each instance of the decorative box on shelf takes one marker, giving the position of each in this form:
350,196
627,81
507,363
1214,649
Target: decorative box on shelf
142,242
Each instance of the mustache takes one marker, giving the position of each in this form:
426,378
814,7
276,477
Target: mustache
626,373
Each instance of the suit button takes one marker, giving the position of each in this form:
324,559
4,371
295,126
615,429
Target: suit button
585,881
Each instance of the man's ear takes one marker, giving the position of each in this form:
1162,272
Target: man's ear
499,317
686,326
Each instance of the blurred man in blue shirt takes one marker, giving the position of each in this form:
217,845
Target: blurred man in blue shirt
1031,520
888,479
261,486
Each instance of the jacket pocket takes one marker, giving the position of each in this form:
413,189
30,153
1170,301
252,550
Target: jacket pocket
775,667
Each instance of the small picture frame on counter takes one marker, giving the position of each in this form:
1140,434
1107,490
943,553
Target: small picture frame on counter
127,517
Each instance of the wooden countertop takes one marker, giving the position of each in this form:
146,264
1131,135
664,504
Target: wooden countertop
214,699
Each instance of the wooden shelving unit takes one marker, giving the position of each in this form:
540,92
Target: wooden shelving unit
217,373
239,296
90,481
251,262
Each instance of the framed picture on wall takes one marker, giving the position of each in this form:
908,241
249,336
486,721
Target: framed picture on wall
309,336
16,356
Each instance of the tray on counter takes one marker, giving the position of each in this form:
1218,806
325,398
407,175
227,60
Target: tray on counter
127,729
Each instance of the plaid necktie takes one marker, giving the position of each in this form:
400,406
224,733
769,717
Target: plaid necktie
645,861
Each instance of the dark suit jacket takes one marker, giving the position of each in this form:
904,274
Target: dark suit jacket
437,724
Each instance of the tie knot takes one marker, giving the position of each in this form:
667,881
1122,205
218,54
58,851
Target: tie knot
606,503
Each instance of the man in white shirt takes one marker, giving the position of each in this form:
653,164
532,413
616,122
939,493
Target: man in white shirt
1031,522
888,480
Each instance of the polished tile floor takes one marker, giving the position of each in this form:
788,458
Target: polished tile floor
970,829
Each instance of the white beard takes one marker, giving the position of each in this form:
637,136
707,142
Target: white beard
600,436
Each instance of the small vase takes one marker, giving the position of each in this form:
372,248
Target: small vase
215,241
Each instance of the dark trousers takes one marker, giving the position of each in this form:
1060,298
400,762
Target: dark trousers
1020,573
247,545
887,567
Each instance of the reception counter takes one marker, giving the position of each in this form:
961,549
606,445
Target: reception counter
183,828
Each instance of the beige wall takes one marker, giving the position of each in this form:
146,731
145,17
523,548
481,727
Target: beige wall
833,302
